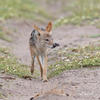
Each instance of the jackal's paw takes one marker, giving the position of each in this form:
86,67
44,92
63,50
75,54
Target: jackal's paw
45,80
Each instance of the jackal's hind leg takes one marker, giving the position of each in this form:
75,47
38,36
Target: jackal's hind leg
33,59
32,66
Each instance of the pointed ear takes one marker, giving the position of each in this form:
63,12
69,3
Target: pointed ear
49,27
37,29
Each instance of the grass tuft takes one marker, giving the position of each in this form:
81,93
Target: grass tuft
9,64
74,58
95,36
1,96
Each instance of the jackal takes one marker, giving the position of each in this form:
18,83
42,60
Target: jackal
39,41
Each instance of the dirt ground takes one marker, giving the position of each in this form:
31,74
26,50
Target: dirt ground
81,84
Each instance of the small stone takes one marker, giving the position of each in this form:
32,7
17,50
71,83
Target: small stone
32,98
99,98
67,94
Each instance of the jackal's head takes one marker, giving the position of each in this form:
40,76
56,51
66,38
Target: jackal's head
45,36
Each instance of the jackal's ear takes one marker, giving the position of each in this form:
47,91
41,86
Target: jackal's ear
38,29
49,27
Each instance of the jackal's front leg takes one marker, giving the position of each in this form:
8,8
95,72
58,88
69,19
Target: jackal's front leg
45,69
41,67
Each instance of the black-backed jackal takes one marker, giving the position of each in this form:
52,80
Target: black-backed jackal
39,41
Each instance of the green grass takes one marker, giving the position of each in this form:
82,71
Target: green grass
72,58
22,9
95,36
9,64
82,12
75,58
1,96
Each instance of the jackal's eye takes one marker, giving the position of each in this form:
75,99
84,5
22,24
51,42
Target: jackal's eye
46,39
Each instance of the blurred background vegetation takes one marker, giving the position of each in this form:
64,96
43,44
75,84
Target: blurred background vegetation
59,11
